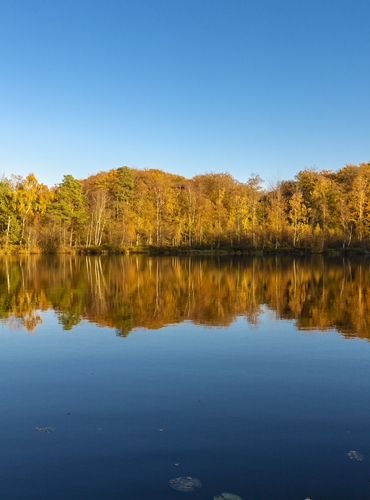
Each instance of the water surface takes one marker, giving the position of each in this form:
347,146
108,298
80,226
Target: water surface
252,375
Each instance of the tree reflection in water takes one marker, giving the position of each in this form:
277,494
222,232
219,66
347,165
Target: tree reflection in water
126,292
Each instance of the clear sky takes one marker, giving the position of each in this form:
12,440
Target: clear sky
185,86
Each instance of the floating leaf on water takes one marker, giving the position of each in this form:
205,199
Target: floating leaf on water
228,496
185,483
356,455
45,429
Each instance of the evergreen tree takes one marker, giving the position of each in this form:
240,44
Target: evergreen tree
69,207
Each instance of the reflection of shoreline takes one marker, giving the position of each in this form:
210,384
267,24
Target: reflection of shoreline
126,292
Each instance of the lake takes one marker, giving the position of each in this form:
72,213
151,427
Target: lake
250,374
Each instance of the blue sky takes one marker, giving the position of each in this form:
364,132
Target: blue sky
186,86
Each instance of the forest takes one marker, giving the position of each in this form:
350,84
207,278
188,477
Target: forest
128,210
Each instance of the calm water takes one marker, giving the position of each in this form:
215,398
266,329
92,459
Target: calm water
252,375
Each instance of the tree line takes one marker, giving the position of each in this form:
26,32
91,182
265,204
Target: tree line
131,208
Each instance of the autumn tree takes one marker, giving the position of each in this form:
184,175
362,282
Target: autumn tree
216,191
358,202
253,213
297,215
239,213
9,228
188,197
143,208
320,195
276,211
69,209
121,190
324,197
29,198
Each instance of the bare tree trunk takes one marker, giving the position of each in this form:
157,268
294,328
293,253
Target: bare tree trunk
7,232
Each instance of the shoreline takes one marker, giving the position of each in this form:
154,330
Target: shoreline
179,251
